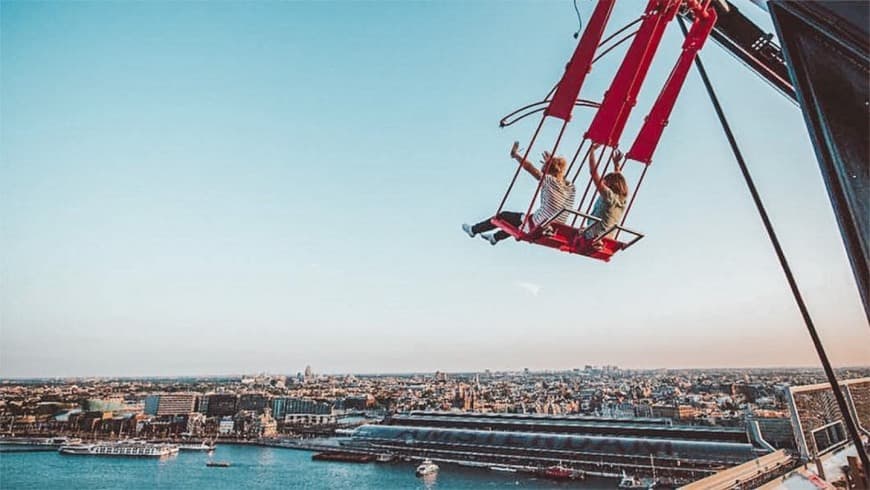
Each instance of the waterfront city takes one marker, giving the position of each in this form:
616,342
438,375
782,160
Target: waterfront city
595,422
434,245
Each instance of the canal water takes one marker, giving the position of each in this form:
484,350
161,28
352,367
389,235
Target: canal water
251,467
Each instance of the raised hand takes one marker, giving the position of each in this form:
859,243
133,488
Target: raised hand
545,157
617,156
516,151
618,161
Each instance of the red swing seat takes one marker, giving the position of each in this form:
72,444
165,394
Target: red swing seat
566,238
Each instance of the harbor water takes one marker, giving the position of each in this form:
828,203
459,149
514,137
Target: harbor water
251,467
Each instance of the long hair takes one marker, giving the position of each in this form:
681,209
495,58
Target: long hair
616,182
556,167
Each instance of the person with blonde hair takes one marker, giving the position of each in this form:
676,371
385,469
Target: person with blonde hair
557,194
612,194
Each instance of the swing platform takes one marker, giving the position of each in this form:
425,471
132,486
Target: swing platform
566,238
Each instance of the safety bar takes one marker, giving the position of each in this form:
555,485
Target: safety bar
637,235
537,107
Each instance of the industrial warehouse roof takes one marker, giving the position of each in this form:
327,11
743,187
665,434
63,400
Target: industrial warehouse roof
509,441
571,425
540,416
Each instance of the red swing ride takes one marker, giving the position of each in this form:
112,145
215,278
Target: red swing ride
609,121
822,67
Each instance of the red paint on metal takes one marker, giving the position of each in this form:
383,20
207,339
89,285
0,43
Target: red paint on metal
651,132
609,121
563,237
579,66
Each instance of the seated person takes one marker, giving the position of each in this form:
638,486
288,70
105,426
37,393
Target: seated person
556,194
612,194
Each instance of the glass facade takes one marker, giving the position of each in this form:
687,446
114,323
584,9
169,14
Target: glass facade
285,406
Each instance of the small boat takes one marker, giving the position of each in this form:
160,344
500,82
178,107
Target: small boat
628,481
386,458
506,469
343,457
427,467
218,464
558,472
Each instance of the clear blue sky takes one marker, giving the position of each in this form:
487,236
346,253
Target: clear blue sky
191,188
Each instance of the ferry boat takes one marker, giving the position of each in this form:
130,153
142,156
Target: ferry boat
16,444
427,467
134,449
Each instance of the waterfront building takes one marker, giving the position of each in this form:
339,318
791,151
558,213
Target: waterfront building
195,424
151,402
176,403
592,444
219,404
281,407
226,426
254,402
265,425
202,407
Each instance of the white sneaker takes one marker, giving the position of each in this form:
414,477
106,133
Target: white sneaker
490,237
467,229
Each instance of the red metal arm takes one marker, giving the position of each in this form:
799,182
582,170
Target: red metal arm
651,132
609,121
575,73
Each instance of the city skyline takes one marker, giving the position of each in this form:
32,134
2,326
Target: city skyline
329,374
214,189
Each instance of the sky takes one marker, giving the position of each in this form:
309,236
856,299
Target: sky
207,188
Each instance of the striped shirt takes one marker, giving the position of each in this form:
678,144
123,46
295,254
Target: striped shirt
556,195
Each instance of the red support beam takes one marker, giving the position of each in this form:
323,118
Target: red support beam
580,64
609,121
651,132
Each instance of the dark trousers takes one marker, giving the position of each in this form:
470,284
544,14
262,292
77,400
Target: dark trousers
511,217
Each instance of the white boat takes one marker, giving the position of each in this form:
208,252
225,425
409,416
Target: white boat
628,481
40,441
385,458
24,444
133,449
197,447
506,469
427,467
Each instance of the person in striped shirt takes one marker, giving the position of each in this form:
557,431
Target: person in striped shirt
557,194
